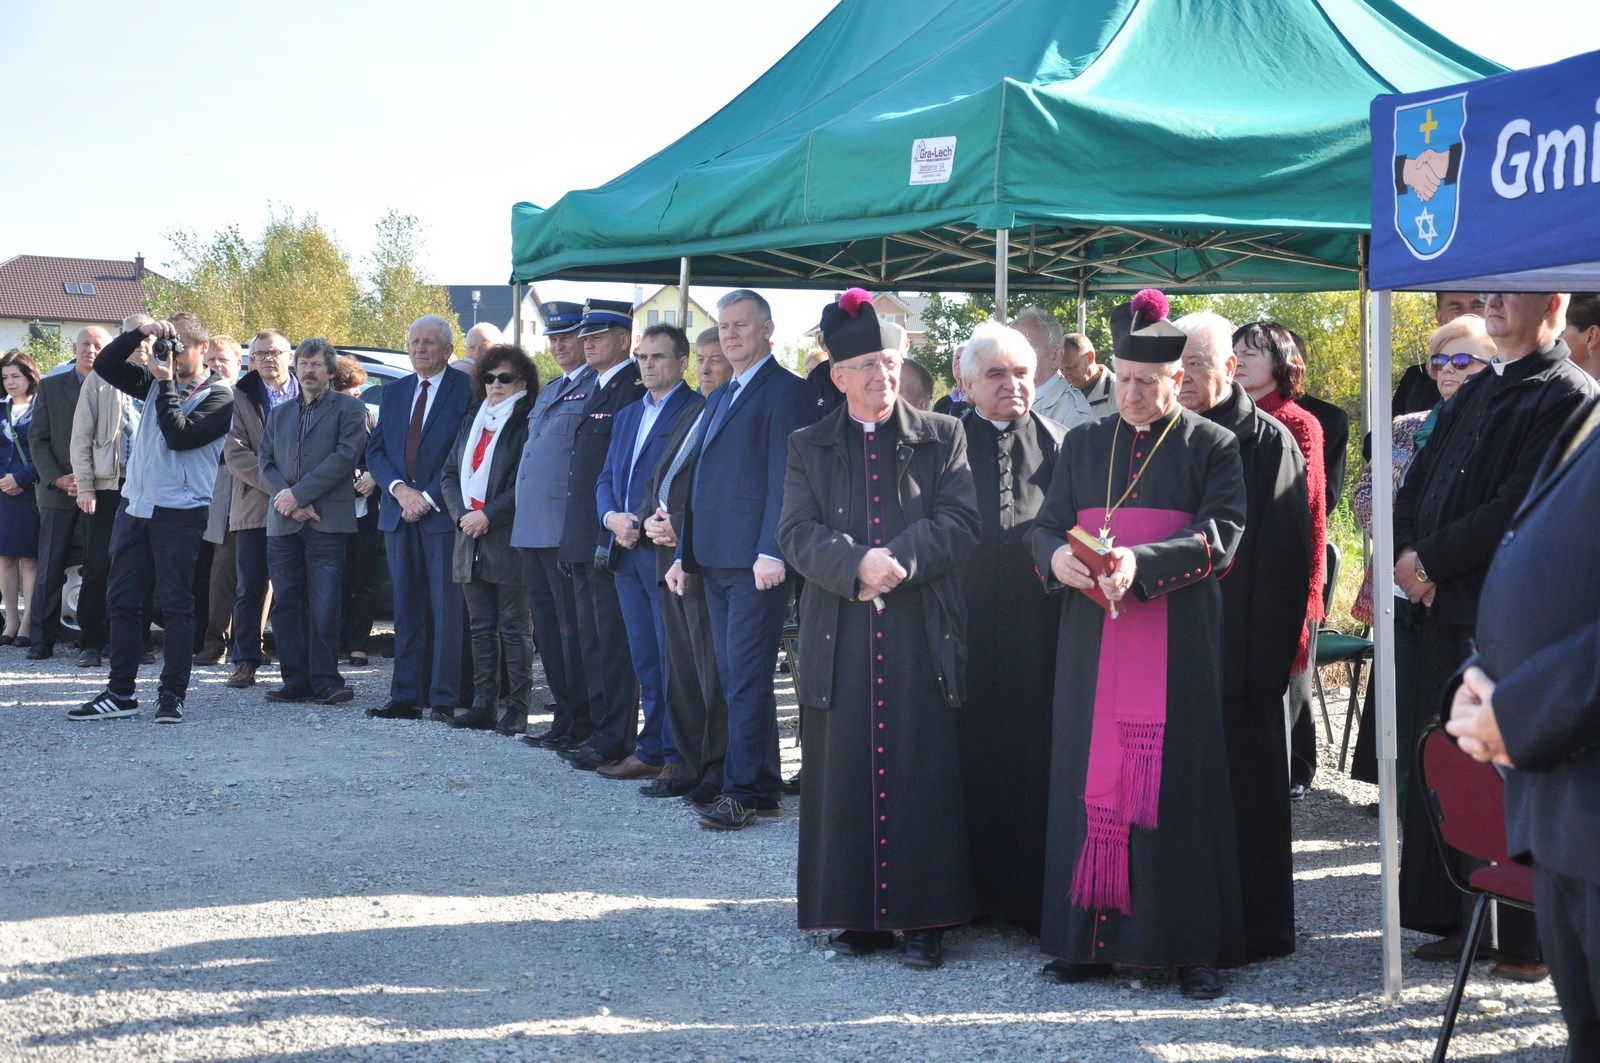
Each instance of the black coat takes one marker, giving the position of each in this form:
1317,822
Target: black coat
1263,611
491,558
580,531
678,493
1335,444
942,526
1454,514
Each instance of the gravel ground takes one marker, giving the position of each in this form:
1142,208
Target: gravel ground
270,883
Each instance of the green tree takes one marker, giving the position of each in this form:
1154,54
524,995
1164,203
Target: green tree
46,346
296,277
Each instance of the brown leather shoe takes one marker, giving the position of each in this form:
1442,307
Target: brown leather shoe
243,676
629,767
1520,970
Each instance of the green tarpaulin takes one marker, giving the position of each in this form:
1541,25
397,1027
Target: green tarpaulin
1189,144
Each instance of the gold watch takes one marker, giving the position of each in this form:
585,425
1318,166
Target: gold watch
1422,573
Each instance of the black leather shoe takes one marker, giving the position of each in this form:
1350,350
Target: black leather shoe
394,710
860,942
438,715
673,782
477,718
41,652
553,739
924,949
1199,983
726,814
1063,973
586,759
791,786
290,694
512,723
704,794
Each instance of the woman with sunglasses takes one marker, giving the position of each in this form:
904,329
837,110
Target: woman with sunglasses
1456,350
479,484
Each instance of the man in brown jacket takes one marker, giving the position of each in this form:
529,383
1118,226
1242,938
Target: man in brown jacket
270,383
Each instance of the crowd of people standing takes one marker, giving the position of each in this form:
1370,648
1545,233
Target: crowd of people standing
1053,652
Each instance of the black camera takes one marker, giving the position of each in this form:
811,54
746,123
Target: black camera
165,348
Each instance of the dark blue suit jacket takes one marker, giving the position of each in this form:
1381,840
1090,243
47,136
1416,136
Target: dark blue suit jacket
624,474
386,450
737,494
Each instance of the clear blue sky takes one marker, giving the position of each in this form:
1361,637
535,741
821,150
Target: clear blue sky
124,122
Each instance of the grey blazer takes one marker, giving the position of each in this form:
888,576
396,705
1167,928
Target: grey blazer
546,457
317,464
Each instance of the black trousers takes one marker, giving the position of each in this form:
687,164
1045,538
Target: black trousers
502,644
1569,929
57,529
696,710
220,594
554,610
250,595
157,551
603,642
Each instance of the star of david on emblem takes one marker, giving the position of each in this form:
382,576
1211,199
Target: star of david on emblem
1425,229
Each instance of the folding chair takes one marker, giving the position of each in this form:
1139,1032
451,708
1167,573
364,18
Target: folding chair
1335,647
1467,811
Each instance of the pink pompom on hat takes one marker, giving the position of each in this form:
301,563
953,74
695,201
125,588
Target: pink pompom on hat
851,327
1140,331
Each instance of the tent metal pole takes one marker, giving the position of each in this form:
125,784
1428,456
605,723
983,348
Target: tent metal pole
1083,304
516,315
1002,256
1363,243
683,293
1383,610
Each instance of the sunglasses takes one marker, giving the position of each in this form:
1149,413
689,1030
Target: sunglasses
500,378
1461,360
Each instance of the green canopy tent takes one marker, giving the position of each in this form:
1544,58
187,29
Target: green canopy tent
1095,145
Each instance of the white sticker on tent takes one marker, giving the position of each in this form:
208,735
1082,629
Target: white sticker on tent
932,159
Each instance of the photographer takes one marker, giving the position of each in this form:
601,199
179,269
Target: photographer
172,466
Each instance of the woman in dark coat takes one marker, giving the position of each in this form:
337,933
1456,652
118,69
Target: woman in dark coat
1004,726
479,487
19,510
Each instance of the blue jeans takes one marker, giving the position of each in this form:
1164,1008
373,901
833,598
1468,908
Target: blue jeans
161,551
647,637
307,570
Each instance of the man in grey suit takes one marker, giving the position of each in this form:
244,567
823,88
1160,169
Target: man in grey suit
541,516
309,450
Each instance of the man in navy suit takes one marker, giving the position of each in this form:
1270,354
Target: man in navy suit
418,418
637,442
730,537
541,512
607,332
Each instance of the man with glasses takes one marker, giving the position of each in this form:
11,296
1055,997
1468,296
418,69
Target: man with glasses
879,511
269,384
1456,503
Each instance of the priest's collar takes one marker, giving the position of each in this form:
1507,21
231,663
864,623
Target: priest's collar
1001,426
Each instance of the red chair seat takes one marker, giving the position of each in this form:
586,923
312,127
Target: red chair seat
1504,880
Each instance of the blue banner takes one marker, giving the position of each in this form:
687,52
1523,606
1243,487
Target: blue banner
1496,180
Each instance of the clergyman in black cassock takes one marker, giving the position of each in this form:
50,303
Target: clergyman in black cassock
1141,867
877,517
1011,630
1262,618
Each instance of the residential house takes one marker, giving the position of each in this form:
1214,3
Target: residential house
52,297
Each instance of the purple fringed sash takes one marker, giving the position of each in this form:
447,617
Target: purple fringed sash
1122,788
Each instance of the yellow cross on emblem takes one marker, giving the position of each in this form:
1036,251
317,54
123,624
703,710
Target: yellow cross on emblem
1427,127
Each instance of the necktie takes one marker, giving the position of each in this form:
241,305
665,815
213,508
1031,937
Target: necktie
414,433
722,413
681,459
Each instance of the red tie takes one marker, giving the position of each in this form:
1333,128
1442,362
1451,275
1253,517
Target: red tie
414,433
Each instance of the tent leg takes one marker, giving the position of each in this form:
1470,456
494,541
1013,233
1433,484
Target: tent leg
1083,304
683,293
1383,637
1002,260
516,314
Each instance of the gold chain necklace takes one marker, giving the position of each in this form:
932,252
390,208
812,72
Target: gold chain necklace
1111,466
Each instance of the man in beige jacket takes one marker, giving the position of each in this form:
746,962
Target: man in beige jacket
102,430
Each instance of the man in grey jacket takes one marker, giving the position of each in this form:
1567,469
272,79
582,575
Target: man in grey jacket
166,494
308,459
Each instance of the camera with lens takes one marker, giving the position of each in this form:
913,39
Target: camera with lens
165,348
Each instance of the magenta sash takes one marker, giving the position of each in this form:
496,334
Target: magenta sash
1122,788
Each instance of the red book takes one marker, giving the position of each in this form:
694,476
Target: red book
1096,557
